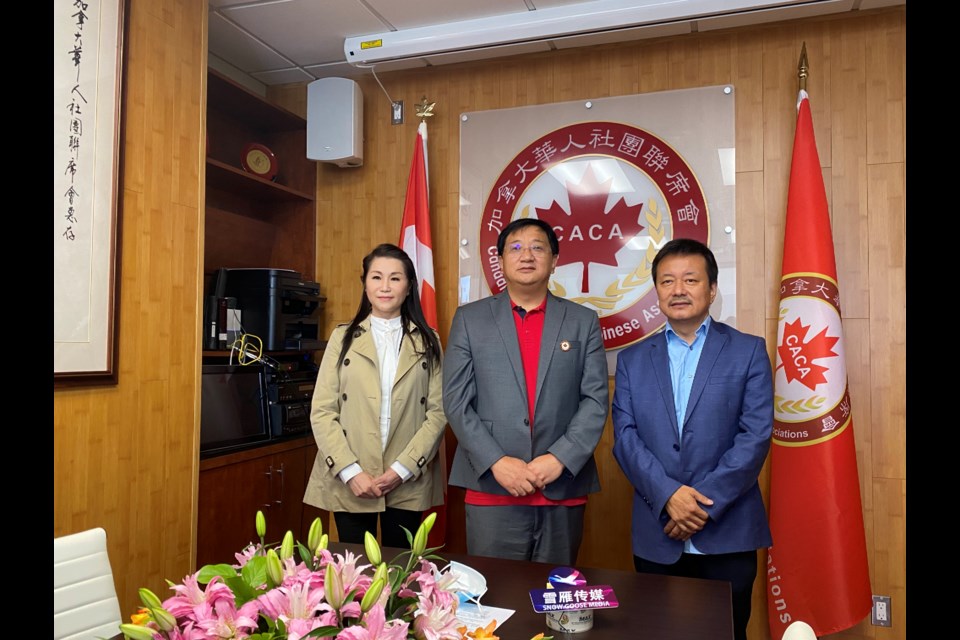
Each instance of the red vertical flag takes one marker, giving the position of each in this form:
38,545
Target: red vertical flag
415,229
415,240
817,567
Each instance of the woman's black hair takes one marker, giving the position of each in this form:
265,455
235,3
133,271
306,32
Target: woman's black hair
410,310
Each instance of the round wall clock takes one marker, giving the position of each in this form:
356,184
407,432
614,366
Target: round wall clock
259,160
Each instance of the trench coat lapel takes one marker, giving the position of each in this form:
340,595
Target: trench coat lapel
363,344
408,355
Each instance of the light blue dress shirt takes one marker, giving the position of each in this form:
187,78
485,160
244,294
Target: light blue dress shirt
683,366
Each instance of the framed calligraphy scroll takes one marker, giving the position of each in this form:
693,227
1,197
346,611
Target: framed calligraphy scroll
87,104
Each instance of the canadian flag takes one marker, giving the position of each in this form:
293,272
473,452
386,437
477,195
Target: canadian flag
415,229
415,240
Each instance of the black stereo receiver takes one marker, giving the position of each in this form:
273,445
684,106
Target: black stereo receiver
288,401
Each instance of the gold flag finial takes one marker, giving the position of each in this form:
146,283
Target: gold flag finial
425,109
803,68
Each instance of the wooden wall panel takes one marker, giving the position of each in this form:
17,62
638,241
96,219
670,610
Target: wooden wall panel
861,153
848,164
125,456
888,320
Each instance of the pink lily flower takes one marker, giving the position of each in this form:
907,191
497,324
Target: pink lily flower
228,623
375,627
435,622
190,594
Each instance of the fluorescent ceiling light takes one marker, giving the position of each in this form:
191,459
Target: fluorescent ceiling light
555,22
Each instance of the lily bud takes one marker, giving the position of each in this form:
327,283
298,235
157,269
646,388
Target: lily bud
371,547
149,599
137,632
274,567
372,595
333,587
164,619
261,524
420,540
381,572
286,547
428,521
324,542
313,536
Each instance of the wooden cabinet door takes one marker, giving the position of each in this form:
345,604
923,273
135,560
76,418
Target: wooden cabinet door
231,493
287,476
228,501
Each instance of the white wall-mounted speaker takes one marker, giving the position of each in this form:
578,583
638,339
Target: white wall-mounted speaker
335,122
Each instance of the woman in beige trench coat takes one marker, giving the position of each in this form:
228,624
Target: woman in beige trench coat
377,412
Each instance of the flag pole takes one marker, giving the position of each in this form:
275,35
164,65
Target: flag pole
803,68
416,240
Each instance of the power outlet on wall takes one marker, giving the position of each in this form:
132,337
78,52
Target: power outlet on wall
880,615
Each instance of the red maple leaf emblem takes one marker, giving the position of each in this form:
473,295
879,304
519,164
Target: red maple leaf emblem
590,233
797,357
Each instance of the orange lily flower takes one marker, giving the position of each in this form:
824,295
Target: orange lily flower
481,633
141,617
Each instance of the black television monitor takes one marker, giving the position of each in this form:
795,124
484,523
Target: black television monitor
233,403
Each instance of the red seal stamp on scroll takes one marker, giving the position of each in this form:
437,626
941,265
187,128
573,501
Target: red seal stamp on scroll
614,194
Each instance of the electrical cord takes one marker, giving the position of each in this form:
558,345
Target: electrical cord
249,349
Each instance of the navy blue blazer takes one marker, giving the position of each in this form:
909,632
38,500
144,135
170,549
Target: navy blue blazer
726,437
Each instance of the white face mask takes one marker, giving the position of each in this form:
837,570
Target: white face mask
468,583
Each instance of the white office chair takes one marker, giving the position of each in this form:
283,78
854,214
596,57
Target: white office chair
85,605
799,630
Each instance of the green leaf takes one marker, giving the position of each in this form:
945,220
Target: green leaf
323,632
208,572
305,554
255,571
242,591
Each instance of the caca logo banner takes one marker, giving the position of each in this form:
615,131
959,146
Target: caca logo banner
812,403
614,194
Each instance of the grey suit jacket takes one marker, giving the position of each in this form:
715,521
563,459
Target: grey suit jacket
485,396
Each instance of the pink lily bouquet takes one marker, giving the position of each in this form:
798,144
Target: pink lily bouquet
271,594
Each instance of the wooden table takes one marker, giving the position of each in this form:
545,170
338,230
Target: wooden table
651,607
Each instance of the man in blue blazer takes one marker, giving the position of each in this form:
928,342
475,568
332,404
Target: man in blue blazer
692,418
525,391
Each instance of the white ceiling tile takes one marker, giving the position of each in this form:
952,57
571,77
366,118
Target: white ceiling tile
240,49
306,31
280,41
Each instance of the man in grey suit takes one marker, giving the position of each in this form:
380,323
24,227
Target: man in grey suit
525,391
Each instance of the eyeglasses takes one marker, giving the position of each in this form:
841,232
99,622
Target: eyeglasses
515,250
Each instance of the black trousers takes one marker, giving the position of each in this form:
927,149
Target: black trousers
352,526
739,569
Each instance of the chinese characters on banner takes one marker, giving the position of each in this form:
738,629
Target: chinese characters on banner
616,178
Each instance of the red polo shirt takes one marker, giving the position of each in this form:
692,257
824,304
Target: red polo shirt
529,333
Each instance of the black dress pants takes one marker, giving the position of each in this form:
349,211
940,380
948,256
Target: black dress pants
739,569
351,526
